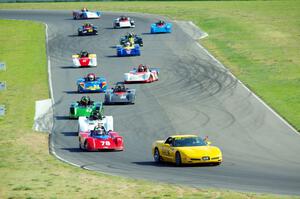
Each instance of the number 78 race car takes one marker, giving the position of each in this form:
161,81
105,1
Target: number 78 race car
97,140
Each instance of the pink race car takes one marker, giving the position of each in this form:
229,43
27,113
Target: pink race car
142,74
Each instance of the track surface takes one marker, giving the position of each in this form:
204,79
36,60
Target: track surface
194,94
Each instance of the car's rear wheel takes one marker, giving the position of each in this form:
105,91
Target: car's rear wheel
156,156
151,78
178,159
85,145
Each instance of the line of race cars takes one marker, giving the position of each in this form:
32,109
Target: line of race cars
96,130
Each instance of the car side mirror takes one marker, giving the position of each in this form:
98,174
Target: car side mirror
208,143
166,144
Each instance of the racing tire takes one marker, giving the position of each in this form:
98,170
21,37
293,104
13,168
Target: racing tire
178,159
85,145
150,79
156,156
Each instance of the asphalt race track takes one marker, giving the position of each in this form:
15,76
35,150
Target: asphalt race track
195,94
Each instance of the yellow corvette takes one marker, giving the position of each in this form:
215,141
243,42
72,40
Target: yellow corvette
186,149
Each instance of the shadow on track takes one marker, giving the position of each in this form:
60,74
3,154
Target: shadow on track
70,133
62,117
165,164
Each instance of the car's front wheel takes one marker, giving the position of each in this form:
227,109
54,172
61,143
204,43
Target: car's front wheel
178,159
156,156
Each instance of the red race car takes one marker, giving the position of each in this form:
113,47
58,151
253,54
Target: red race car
100,139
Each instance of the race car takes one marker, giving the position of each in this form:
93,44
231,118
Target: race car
132,38
186,149
101,140
85,14
96,119
142,74
119,95
123,22
161,27
91,83
128,50
84,107
87,29
84,59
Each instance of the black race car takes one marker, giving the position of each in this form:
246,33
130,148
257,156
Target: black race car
87,29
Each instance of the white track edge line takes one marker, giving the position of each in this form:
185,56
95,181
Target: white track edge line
51,148
257,97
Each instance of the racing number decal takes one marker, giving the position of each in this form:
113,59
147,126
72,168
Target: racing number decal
105,143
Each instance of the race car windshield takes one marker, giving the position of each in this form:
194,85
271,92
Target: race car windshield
189,141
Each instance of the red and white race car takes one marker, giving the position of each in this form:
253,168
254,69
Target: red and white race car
84,59
142,74
100,139
123,22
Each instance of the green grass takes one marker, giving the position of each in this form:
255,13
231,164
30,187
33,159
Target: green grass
26,168
257,40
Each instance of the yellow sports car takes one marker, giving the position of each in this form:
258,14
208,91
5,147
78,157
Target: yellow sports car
186,149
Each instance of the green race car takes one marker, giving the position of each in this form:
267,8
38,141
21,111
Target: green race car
84,107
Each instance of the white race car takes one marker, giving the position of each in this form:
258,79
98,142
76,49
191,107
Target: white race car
85,14
84,59
86,124
123,22
142,74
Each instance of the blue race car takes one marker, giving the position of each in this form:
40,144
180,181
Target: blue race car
91,84
128,50
161,27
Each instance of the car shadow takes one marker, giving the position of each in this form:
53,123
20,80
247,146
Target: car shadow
117,104
76,150
147,33
63,117
113,46
70,133
112,56
72,92
74,35
74,67
166,164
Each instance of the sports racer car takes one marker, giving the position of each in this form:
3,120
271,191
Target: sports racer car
186,149
161,27
123,22
132,38
91,83
84,107
119,95
96,119
85,14
84,59
128,50
87,29
100,140
142,74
